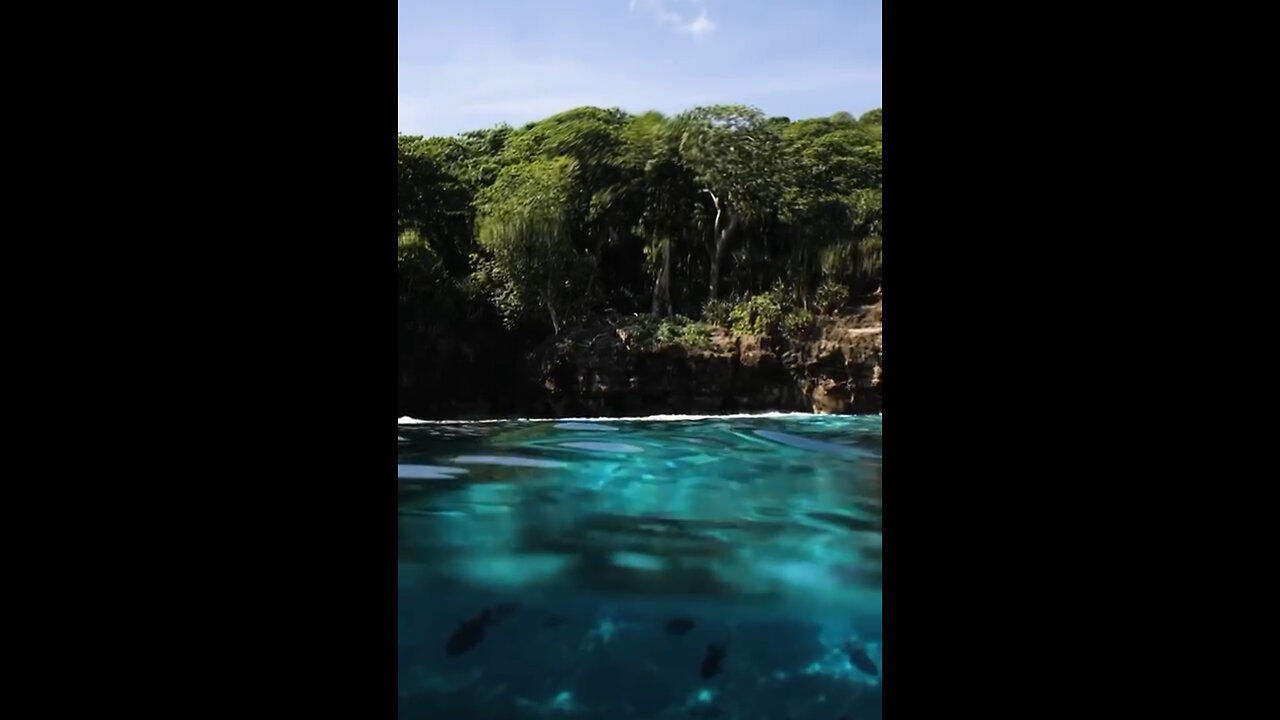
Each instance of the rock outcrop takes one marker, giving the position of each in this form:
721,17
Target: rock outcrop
834,368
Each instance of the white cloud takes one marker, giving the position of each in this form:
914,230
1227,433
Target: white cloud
697,27
700,26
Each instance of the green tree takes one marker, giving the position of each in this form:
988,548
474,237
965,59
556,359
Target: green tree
733,151
605,204
434,201
595,208
667,196
524,227
831,204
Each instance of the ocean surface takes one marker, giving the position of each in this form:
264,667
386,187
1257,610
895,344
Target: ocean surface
670,567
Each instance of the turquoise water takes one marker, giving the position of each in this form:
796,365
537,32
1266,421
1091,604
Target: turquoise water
584,539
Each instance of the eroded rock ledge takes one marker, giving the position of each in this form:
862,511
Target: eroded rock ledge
834,368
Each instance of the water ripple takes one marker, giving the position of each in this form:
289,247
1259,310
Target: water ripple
603,446
815,445
429,472
509,460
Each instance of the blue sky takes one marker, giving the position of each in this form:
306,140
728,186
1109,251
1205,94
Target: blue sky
469,64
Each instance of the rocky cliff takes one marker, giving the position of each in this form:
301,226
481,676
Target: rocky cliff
834,368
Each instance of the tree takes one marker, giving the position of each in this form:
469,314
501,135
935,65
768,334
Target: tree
734,152
524,226
604,207
831,204
666,195
434,202
594,208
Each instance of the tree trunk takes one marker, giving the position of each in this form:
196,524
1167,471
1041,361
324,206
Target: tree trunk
661,305
726,217
655,307
666,275
662,286
657,292
555,321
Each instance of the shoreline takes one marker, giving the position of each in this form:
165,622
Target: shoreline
663,417
604,369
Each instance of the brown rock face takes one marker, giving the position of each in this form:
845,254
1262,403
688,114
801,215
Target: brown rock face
836,368
829,397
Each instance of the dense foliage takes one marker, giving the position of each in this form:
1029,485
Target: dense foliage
594,209
719,213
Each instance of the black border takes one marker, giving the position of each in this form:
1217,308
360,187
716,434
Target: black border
1004,283
253,541
249,156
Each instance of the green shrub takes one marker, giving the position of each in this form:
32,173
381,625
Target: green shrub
692,335
647,329
716,312
641,328
740,317
682,330
669,329
761,315
832,296
797,322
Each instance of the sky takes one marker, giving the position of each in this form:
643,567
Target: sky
466,65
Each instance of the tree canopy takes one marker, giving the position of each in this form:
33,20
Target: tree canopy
596,209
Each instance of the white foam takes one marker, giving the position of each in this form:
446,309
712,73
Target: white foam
406,420
595,427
